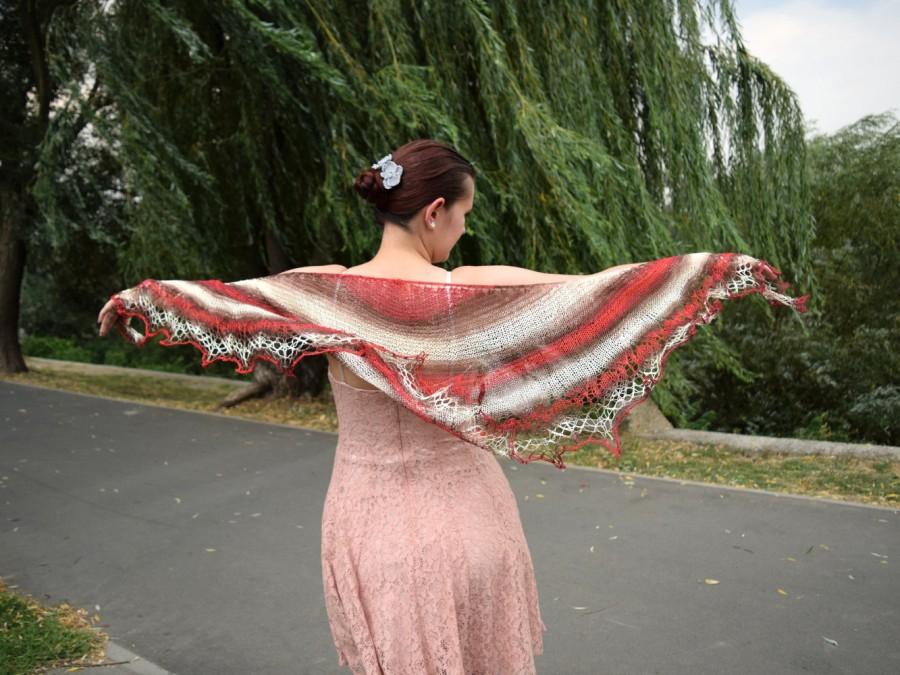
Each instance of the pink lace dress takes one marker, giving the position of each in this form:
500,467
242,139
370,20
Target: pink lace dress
425,565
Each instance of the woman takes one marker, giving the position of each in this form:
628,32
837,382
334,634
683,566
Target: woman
424,560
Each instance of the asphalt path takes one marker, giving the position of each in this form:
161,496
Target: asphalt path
196,538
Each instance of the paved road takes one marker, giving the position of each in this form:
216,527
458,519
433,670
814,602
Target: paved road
197,536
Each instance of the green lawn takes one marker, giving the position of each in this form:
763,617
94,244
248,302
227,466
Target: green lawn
34,637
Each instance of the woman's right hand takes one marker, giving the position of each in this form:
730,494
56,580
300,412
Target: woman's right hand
107,317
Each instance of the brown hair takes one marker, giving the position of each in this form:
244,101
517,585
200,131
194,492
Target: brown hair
431,169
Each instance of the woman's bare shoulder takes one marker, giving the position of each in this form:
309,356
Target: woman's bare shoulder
504,275
320,268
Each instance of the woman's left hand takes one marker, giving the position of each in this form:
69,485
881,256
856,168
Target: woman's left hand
107,317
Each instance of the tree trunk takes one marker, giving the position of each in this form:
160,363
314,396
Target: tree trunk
12,269
310,373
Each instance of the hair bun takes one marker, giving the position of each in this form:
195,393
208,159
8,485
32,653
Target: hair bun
367,185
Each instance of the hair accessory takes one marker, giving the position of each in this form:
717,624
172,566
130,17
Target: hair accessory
390,171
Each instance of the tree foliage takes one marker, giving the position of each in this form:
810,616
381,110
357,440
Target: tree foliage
855,177
840,381
603,132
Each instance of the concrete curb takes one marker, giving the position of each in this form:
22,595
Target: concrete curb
637,476
760,444
103,369
115,652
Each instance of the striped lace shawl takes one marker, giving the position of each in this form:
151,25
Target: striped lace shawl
525,371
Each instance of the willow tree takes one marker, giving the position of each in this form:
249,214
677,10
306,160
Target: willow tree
603,133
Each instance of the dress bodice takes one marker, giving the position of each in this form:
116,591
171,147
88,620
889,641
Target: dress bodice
373,428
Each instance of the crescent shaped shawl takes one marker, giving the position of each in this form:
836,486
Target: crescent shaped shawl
525,371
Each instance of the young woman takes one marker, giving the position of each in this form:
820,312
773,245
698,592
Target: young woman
424,561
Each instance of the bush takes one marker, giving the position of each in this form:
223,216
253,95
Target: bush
813,383
113,350
55,348
876,414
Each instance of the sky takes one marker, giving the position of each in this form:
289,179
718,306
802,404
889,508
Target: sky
841,57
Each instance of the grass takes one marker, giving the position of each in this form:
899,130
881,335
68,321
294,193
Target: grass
312,413
849,478
866,480
34,637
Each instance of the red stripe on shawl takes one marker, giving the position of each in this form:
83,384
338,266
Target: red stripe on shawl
640,283
394,305
627,365
205,359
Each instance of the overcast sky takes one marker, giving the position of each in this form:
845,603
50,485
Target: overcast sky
841,57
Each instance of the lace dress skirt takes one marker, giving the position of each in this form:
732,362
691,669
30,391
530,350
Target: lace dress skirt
425,565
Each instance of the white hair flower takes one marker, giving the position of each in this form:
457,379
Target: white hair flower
390,171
